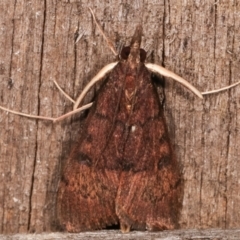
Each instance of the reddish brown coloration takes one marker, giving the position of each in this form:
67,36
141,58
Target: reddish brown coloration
123,169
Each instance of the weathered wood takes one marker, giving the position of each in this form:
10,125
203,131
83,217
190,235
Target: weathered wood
203,50
210,234
198,40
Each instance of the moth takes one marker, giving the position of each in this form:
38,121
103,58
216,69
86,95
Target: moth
123,169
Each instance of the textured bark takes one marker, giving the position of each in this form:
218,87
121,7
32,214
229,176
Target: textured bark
198,40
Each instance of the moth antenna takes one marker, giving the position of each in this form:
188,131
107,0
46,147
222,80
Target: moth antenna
108,40
163,71
221,89
99,76
48,118
65,94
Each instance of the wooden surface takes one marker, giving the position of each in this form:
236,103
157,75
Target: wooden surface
199,40
210,234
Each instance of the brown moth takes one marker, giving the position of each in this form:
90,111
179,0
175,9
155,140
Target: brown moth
123,169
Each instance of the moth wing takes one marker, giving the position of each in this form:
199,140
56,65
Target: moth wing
149,192
86,199
88,188
150,198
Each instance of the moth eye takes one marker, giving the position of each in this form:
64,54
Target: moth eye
143,55
125,52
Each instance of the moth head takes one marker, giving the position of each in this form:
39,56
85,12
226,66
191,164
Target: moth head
133,53
126,51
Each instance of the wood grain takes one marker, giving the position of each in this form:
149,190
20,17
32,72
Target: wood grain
197,40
